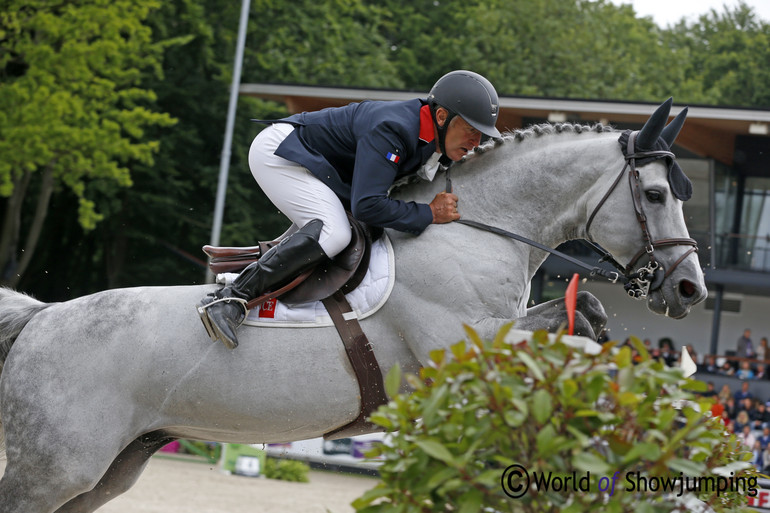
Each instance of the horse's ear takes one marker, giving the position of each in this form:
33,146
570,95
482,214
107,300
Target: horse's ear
672,129
652,129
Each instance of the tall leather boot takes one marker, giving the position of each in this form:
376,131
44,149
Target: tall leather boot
225,309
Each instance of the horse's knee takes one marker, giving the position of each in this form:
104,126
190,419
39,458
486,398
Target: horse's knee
592,309
590,317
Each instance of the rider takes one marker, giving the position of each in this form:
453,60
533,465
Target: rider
316,165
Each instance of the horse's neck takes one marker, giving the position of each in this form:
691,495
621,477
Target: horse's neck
539,188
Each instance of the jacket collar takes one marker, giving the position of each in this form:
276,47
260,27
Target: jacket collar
427,133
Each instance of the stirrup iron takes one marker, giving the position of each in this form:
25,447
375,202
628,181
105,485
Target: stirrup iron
211,329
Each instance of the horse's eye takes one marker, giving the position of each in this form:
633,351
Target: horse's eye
654,196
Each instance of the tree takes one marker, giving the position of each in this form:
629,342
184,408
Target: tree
555,48
336,42
71,114
727,53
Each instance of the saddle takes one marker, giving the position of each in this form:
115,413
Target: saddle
328,282
344,272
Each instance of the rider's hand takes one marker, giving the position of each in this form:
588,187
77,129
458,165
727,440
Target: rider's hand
444,208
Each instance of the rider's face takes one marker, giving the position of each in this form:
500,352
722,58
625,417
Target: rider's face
460,137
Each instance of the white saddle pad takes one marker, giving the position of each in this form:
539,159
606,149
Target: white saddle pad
365,300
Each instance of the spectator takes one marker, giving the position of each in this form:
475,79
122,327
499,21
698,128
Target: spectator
725,393
745,371
731,407
759,416
710,365
726,420
727,369
766,458
744,347
710,392
746,436
743,393
764,439
756,457
742,422
667,351
762,349
760,374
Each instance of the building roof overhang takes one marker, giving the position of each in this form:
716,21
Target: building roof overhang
708,132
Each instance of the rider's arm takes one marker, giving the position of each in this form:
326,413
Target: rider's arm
379,157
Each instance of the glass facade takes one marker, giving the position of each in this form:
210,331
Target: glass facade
742,220
697,211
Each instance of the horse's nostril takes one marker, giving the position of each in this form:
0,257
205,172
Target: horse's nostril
687,288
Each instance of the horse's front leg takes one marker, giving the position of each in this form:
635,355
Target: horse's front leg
590,317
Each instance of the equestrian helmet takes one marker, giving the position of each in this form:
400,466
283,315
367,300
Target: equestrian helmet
470,96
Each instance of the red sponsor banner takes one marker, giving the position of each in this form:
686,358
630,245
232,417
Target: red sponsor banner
267,309
762,501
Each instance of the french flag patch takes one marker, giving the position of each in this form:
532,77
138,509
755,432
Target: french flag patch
393,157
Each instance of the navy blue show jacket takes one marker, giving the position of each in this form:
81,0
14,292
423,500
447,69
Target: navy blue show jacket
360,150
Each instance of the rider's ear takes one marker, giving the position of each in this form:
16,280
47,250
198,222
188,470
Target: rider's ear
441,116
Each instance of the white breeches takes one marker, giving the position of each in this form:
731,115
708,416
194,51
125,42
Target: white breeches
296,192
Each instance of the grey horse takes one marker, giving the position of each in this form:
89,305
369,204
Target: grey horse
91,387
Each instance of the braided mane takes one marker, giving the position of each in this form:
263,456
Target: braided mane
539,130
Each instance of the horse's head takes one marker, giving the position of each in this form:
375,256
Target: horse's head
642,224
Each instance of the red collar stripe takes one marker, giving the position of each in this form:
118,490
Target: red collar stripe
426,124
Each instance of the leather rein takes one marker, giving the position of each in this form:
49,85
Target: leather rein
637,283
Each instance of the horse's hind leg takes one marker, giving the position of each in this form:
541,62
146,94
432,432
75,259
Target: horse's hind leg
122,474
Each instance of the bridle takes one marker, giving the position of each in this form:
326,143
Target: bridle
639,283
650,277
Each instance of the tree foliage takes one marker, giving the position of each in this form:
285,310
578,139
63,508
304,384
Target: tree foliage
727,53
72,111
551,412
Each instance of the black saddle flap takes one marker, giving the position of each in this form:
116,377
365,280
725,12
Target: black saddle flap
345,272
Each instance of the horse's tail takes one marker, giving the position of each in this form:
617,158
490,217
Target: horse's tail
16,310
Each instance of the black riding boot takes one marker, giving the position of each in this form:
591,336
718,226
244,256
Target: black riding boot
225,310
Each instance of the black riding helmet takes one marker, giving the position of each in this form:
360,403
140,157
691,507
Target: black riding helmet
468,95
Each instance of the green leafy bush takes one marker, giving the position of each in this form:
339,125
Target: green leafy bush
286,470
563,430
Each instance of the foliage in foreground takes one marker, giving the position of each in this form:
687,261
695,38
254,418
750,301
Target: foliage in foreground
287,470
604,429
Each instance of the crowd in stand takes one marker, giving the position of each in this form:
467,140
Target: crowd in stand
742,412
747,416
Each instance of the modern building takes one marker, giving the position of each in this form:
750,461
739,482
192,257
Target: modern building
726,154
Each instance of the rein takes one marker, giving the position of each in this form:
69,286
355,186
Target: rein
639,283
